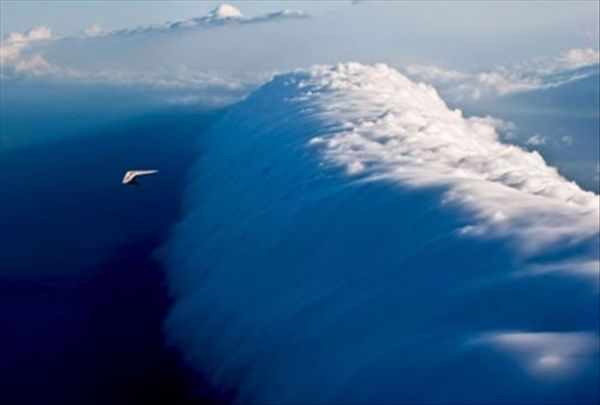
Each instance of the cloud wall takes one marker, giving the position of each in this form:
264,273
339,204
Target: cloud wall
349,238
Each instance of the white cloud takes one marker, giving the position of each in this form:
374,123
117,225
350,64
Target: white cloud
13,57
224,14
589,269
576,58
225,11
536,140
20,59
22,55
545,354
31,54
503,82
536,74
320,165
94,31
567,140
36,34
390,128
430,73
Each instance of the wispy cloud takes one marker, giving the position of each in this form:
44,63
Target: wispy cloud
545,354
531,75
29,55
536,140
94,30
225,14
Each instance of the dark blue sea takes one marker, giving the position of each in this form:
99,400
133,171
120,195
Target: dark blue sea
82,292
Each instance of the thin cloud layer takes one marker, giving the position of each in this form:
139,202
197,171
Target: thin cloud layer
574,64
546,354
46,59
30,55
224,14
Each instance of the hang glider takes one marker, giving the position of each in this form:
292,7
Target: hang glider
132,175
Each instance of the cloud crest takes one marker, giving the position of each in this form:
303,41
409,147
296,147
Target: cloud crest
542,73
398,130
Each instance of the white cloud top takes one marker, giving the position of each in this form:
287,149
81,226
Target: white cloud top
390,128
225,11
545,354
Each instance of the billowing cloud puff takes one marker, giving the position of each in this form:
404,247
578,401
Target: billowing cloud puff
12,53
576,58
398,130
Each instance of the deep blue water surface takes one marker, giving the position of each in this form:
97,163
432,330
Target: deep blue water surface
82,294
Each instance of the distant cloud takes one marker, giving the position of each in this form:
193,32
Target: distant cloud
536,140
588,269
12,49
567,140
19,58
224,14
30,55
24,55
460,85
432,73
503,80
34,54
576,58
545,354
94,31
326,142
